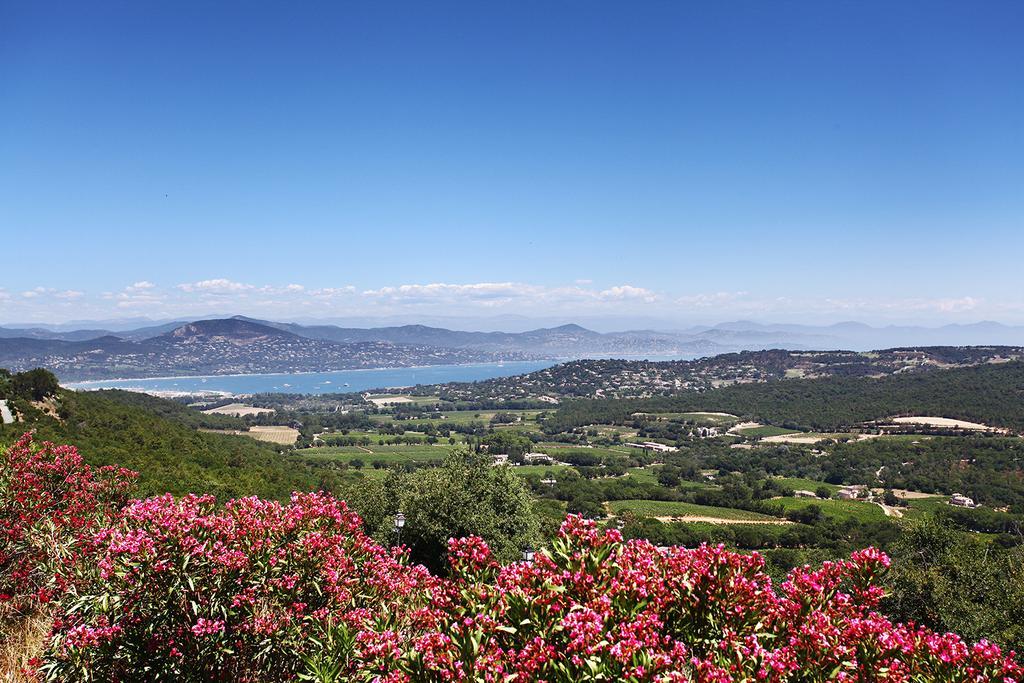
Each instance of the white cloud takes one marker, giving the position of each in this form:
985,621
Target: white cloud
330,292
437,290
629,292
215,286
142,294
578,298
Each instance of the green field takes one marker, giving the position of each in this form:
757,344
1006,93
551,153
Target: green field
664,508
556,451
765,430
465,417
374,437
542,470
920,506
388,454
839,510
642,475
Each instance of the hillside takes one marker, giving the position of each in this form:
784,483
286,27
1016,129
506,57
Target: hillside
222,347
159,439
618,378
574,341
991,394
564,341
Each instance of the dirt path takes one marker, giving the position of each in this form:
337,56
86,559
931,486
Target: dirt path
743,425
890,511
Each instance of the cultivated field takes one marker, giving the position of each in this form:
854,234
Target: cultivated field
388,454
759,430
838,509
238,410
274,434
284,436
679,511
943,422
381,400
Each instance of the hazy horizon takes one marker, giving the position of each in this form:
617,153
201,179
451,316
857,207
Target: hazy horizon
495,323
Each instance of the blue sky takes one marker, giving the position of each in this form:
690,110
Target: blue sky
806,162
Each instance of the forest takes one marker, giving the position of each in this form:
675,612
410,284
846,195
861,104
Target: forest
991,394
161,440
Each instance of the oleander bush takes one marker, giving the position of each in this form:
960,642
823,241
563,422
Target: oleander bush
51,505
188,590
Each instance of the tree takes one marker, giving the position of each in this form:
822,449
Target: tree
947,580
823,492
668,476
466,496
34,384
508,442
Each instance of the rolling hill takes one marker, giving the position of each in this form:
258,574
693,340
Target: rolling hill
224,346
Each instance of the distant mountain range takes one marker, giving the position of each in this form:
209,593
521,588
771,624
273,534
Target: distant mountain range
247,345
221,347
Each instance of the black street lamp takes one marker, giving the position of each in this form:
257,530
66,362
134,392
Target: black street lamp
528,554
399,523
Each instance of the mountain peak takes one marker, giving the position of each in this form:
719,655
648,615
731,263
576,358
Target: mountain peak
572,328
235,328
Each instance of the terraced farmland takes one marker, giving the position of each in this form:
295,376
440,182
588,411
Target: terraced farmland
662,509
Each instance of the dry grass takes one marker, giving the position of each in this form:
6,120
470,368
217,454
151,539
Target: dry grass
381,401
237,409
275,434
931,421
20,641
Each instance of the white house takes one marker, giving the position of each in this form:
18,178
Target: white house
961,500
850,492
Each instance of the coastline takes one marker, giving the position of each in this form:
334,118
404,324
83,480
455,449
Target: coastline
77,384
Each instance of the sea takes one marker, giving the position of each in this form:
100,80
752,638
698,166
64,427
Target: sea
341,381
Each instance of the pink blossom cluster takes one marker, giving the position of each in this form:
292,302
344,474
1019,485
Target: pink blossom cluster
51,503
255,590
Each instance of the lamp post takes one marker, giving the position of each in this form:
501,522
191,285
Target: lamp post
528,553
399,523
